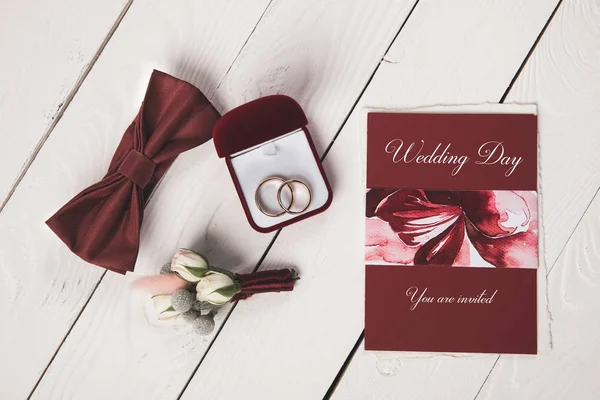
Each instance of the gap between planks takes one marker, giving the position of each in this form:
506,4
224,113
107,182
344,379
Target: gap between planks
360,95
325,152
271,243
64,105
45,137
360,339
258,265
37,383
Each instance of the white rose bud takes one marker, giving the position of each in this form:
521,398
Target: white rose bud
216,288
190,265
164,308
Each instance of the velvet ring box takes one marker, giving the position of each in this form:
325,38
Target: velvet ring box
266,138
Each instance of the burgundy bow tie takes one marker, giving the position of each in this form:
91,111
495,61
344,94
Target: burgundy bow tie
102,223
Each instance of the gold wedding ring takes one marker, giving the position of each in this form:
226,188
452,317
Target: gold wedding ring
259,204
289,183
284,209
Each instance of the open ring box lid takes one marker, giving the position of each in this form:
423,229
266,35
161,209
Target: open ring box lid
268,137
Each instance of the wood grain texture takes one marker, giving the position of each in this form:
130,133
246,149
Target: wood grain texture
389,377
46,47
43,285
570,371
322,53
444,54
196,205
562,78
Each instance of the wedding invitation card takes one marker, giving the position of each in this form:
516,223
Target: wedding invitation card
452,232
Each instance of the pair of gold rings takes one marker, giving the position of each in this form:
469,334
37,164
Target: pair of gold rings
285,183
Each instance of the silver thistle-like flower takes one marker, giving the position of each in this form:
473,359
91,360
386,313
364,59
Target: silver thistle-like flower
204,324
165,269
182,301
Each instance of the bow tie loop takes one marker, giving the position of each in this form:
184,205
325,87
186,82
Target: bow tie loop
137,168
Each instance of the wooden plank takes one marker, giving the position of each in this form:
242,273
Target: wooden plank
570,370
294,344
47,47
313,46
562,76
388,377
565,89
43,285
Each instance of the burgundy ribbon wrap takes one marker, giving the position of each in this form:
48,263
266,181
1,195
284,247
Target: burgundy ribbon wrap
281,280
102,223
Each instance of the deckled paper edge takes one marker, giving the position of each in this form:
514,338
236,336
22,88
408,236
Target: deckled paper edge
544,315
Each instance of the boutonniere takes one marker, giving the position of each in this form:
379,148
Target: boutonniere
193,290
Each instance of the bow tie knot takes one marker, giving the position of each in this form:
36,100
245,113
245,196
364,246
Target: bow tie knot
137,168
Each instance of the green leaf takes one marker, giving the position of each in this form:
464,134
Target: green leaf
229,291
195,271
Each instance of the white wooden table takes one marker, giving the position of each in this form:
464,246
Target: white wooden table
72,76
